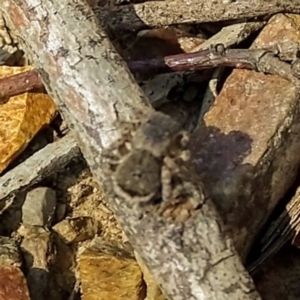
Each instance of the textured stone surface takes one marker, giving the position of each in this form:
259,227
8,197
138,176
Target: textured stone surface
247,151
107,271
153,290
38,251
9,252
39,207
12,284
74,230
21,118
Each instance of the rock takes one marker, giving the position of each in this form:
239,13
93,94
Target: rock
108,271
13,284
247,149
31,112
74,230
153,290
60,212
9,252
38,249
39,207
63,270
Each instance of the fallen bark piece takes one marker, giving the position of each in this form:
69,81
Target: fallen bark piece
43,163
104,108
163,13
13,284
39,207
246,150
108,271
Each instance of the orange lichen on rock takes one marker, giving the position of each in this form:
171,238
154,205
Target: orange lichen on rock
109,272
21,118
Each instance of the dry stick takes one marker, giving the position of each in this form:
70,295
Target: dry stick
94,89
162,13
261,60
39,166
47,160
17,84
217,56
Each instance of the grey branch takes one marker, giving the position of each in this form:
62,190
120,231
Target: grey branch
162,13
38,167
97,94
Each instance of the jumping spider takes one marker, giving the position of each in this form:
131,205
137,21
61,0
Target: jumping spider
146,164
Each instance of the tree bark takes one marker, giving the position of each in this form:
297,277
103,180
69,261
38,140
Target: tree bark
96,93
163,13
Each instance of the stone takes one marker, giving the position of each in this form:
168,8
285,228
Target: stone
21,118
39,207
13,284
9,252
60,212
108,271
153,290
38,250
247,149
78,229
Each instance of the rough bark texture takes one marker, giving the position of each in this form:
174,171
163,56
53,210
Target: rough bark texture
162,13
95,91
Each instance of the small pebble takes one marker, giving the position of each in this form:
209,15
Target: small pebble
39,207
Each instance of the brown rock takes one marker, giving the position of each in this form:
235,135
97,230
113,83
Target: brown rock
21,118
38,249
108,271
74,230
153,290
13,284
247,150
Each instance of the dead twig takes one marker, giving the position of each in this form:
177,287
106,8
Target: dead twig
18,84
261,60
39,166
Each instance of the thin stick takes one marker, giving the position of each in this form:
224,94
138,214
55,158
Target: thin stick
18,84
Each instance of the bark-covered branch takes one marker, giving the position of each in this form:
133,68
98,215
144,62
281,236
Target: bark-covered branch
17,84
96,93
260,60
162,13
